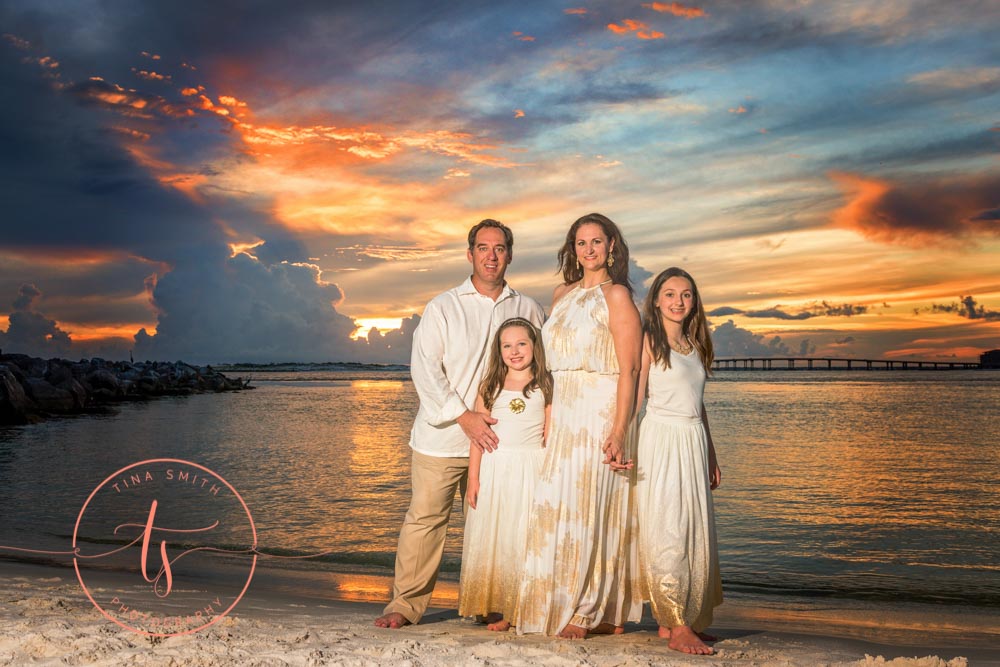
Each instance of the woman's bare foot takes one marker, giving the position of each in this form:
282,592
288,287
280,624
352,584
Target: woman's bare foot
705,637
573,632
392,621
684,639
499,626
607,629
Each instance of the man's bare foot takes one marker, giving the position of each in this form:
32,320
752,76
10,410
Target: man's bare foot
499,626
573,632
392,621
663,632
607,629
684,639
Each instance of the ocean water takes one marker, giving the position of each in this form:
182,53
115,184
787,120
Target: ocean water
861,488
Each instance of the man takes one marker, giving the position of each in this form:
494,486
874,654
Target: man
450,352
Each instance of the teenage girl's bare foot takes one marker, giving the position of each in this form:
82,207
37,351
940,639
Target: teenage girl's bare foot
499,626
607,629
573,632
392,621
683,639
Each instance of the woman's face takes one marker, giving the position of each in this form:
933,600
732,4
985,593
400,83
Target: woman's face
516,348
592,246
676,299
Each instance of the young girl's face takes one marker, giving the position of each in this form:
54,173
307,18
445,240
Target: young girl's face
516,348
676,299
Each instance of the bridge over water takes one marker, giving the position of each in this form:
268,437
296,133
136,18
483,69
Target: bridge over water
832,363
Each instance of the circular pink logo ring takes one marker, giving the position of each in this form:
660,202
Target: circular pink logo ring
118,475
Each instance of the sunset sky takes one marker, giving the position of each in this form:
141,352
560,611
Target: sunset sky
222,182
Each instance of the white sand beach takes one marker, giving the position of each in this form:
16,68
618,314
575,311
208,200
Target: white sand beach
47,620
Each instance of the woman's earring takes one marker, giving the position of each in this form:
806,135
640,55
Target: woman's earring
611,261
579,266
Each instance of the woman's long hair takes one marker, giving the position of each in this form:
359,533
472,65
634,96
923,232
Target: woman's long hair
694,327
571,269
496,370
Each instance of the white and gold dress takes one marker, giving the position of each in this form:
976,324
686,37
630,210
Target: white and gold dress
496,531
678,556
581,554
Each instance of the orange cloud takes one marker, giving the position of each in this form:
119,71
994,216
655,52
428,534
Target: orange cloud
920,213
188,66
576,11
677,9
518,113
16,41
230,101
152,56
739,109
188,92
524,38
641,29
150,76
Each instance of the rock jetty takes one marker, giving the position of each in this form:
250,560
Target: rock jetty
32,389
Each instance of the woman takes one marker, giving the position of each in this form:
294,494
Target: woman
581,550
677,465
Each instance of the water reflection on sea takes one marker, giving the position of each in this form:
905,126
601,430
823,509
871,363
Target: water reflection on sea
875,487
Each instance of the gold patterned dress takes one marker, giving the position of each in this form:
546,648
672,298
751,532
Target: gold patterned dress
678,556
496,531
581,552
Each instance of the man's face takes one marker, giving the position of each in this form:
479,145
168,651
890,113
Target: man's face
489,255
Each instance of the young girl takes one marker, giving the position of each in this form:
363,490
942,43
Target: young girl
517,392
677,466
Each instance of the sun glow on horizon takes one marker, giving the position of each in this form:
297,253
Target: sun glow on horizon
383,324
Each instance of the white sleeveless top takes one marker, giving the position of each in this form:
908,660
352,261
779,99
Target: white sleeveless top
678,391
520,420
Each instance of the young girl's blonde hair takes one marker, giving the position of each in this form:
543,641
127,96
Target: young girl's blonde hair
496,370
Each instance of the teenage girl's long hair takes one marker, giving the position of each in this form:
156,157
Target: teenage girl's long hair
694,327
570,267
496,370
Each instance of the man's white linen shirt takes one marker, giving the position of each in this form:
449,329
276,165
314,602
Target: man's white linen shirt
451,349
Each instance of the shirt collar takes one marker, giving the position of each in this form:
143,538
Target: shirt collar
468,288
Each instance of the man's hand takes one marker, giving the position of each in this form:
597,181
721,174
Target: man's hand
477,429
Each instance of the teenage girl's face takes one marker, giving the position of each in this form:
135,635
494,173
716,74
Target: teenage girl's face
592,247
516,348
676,299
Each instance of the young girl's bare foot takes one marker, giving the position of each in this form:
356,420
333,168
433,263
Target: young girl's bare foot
607,629
499,626
683,639
573,632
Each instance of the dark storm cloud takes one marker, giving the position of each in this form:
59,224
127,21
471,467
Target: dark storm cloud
823,308
31,332
922,211
966,307
69,187
733,341
724,311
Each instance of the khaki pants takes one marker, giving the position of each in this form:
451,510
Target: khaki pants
421,540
